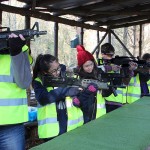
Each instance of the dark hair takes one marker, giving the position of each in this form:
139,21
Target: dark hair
42,64
107,48
146,56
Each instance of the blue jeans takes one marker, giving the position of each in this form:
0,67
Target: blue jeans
12,137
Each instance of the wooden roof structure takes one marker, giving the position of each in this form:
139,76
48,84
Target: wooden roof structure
110,13
104,14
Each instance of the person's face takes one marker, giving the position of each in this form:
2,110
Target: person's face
106,56
54,69
88,66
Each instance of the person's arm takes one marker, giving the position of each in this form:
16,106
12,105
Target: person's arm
21,70
126,80
130,72
20,63
113,67
44,97
107,68
87,97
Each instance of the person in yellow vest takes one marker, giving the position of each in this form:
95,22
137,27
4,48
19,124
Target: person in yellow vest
15,78
56,114
91,102
144,76
114,102
139,83
107,53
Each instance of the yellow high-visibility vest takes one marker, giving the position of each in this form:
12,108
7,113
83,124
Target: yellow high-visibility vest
75,115
25,48
48,125
101,109
148,84
133,91
13,100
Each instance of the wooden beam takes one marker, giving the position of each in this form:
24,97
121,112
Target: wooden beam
140,41
87,8
83,9
87,12
25,1
103,14
124,20
137,9
56,28
104,36
98,5
27,26
121,43
120,12
0,18
47,2
130,24
3,0
47,17
82,36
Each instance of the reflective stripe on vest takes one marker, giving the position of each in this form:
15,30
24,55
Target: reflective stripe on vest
75,115
148,84
48,125
13,100
101,109
133,90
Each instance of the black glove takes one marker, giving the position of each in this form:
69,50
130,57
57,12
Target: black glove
72,91
15,45
106,93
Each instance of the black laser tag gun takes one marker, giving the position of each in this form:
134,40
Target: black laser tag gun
28,34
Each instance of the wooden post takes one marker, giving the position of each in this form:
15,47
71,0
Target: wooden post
56,39
134,40
122,43
125,38
140,41
82,35
100,42
109,37
0,19
27,26
98,49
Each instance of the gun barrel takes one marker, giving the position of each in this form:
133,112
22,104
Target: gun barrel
26,33
42,32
